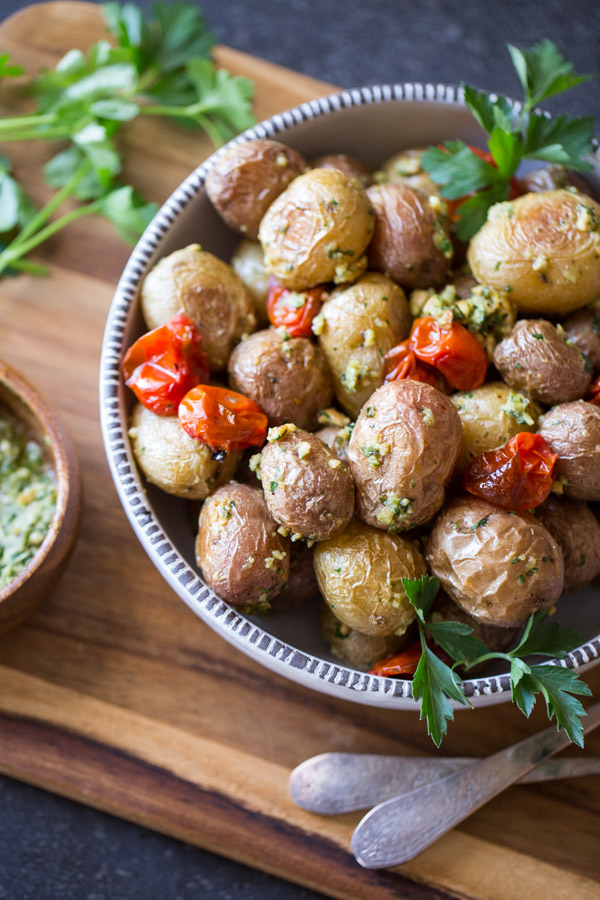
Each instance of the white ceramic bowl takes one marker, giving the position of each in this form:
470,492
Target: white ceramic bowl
370,123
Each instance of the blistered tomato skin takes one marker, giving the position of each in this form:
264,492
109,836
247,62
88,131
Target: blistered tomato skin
164,364
293,310
222,419
453,351
517,476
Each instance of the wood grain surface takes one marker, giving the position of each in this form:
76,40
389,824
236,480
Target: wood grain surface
116,695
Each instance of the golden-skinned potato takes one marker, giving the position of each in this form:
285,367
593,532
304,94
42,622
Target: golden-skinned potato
349,165
551,177
287,377
536,360
174,461
499,566
544,248
301,588
411,242
307,488
403,449
361,651
337,438
582,328
577,532
490,415
360,576
246,179
356,328
248,263
406,167
317,230
196,283
243,558
573,432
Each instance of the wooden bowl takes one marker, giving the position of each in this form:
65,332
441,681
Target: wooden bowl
19,598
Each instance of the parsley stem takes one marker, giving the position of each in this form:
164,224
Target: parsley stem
53,204
485,658
27,121
30,268
12,253
57,133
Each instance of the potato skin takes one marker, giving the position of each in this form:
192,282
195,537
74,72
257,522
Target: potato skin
573,432
582,328
194,282
406,167
576,530
174,461
247,178
360,576
497,565
242,556
551,177
490,415
317,230
248,263
337,438
361,651
411,242
301,587
535,360
356,328
403,448
349,165
288,378
307,488
545,247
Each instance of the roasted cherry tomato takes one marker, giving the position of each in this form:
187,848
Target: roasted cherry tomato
164,364
593,395
223,419
293,310
517,476
401,362
515,189
453,351
404,663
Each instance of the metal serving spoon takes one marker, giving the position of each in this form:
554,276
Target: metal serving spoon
398,830
335,783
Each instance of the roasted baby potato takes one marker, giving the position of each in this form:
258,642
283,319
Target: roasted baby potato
349,165
544,248
493,636
402,451
406,167
582,328
356,328
317,230
551,177
248,263
307,488
573,432
206,289
490,415
499,566
360,576
174,461
536,360
287,377
301,587
243,558
576,530
411,242
361,651
246,179
337,438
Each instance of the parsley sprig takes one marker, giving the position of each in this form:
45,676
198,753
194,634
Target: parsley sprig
160,65
516,132
437,684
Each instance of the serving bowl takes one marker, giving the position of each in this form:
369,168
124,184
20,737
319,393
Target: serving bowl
370,123
25,592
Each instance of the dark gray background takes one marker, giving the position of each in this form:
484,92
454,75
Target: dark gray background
50,848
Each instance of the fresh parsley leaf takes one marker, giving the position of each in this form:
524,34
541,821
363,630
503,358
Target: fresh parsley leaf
474,210
435,684
15,206
224,97
546,638
490,113
507,149
543,72
7,70
127,212
560,140
557,684
524,690
456,639
59,170
458,169
421,593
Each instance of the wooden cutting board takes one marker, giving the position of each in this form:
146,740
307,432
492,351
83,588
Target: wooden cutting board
114,694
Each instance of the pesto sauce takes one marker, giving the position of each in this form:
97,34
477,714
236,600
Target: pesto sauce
27,497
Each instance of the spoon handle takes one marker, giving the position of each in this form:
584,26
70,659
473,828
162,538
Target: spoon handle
335,783
398,830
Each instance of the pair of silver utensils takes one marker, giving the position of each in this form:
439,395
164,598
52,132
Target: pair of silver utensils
416,800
